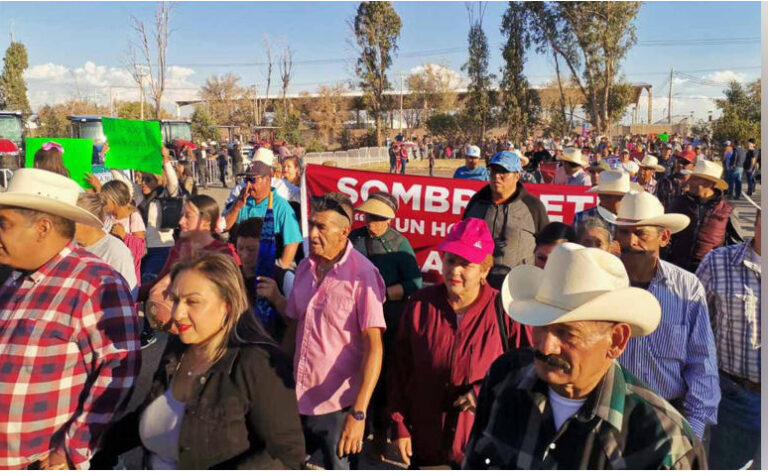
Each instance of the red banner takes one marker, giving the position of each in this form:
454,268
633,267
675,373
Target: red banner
429,206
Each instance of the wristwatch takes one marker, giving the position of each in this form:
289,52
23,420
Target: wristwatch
357,415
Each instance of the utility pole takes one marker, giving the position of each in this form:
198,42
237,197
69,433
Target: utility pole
401,103
669,105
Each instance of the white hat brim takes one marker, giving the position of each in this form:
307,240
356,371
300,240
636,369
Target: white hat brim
566,159
675,222
518,296
657,168
48,205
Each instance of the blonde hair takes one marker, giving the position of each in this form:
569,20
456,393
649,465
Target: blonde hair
92,202
221,270
117,192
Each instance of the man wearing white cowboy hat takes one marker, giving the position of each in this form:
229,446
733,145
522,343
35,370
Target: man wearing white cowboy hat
567,403
70,340
649,167
611,187
572,172
713,223
679,360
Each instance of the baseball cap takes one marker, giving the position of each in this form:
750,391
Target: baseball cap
471,239
507,160
727,143
687,155
473,151
258,169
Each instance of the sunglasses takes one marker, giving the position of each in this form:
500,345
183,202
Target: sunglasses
52,145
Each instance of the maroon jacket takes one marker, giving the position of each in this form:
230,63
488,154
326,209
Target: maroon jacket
712,226
437,361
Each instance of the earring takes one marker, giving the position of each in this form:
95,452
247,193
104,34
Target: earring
224,321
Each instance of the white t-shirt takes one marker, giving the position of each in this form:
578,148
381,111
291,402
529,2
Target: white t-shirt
630,167
159,429
114,252
286,190
563,408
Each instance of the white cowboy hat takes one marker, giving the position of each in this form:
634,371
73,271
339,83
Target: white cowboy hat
48,192
264,155
573,155
578,284
644,209
711,171
613,182
651,162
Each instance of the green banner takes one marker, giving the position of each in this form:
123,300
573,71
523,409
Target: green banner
133,145
664,137
77,157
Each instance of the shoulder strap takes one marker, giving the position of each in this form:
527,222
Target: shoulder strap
500,320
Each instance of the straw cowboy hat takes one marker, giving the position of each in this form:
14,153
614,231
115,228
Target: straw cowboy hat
574,156
47,192
578,284
644,209
379,204
614,182
651,162
709,170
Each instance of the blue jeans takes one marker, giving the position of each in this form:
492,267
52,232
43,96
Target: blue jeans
736,438
321,435
734,182
153,263
402,166
750,183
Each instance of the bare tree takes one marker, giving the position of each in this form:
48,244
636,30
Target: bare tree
268,53
286,70
152,45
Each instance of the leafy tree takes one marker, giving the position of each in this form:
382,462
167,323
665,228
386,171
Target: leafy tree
479,98
376,28
203,126
447,126
620,96
227,102
13,89
51,122
430,90
741,113
592,38
329,112
520,103
129,109
287,122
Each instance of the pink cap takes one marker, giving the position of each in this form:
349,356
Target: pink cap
471,239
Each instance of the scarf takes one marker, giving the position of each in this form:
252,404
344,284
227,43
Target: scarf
265,265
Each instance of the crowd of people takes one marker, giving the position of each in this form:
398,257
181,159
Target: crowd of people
628,339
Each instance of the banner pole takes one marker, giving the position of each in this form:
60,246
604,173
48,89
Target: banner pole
304,213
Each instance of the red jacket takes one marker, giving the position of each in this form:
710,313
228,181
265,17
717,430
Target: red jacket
437,361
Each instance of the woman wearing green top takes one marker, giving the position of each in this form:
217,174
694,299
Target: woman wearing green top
393,256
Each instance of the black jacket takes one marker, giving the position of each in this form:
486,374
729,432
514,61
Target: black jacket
244,414
513,225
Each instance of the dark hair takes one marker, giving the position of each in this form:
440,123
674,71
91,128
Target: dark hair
50,160
208,209
334,201
554,232
64,226
250,228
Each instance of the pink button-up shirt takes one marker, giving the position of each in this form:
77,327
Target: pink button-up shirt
329,342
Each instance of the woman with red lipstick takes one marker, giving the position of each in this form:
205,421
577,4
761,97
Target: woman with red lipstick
216,402
449,336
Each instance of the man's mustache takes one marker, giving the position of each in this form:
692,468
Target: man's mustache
552,361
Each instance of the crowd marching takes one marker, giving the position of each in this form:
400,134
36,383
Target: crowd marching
628,339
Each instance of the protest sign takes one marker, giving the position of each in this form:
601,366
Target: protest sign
664,137
133,145
430,206
77,157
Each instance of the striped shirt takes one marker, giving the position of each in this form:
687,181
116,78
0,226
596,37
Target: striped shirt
579,217
731,279
678,361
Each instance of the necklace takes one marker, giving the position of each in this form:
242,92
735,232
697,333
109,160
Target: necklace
193,372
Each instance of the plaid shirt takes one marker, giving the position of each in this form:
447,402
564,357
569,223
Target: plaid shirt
622,425
731,279
579,217
69,347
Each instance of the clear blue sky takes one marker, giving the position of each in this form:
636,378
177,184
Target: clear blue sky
62,37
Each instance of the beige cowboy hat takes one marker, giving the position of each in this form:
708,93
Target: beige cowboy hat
711,171
573,155
578,284
651,162
48,192
380,205
614,182
644,209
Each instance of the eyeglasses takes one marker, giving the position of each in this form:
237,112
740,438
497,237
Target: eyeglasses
52,145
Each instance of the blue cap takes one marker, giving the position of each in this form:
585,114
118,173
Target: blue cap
508,160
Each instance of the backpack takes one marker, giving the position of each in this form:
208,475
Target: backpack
171,210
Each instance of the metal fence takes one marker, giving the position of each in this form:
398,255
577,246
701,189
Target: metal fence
350,158
210,174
